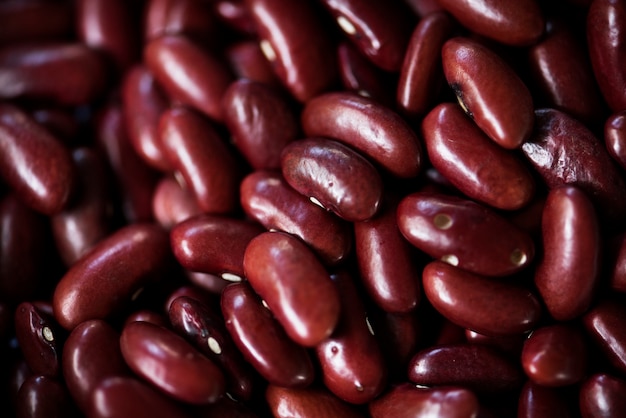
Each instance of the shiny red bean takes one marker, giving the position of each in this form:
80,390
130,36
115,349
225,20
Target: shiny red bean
236,15
171,204
58,121
191,18
615,137
509,344
604,324
145,315
616,262
34,20
602,396
44,397
542,402
289,402
246,60
40,340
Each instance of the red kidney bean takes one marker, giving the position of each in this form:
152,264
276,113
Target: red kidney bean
569,271
33,162
288,276
91,354
461,152
260,121
209,282
488,306
421,75
104,280
34,20
171,364
236,15
408,401
128,397
604,323
39,339
476,367
262,341
284,27
518,23
541,402
615,137
398,336
386,261
455,230
353,366
365,125
189,74
423,8
192,292
44,397
205,330
616,263
508,344
247,61
196,151
289,402
606,35
489,91
269,200
171,204
191,18
602,396
145,315
224,407
337,177
59,122
213,244
563,151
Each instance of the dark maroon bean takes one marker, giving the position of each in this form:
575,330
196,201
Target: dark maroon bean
604,323
44,397
292,281
569,271
353,366
267,198
209,282
58,121
284,27
247,61
334,175
261,122
464,234
224,407
485,305
563,151
475,367
508,344
39,339
188,73
408,401
236,15
172,204
449,333
602,396
191,292
367,126
510,22
262,341
616,263
423,8
196,151
145,315
489,91
192,18
399,336
34,20
460,151
289,402
541,402
104,280
615,137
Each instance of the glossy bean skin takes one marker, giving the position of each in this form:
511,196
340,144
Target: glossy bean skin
476,166
615,137
602,396
509,344
209,282
568,274
476,367
262,341
616,261
408,401
205,330
289,402
236,15
285,28
268,199
484,305
189,74
172,204
171,364
517,23
362,123
454,230
145,315
246,60
489,91
563,151
603,323
194,19
542,402
44,397
33,162
261,122
353,366
606,35
423,8
39,339
288,276
335,175
104,280
34,20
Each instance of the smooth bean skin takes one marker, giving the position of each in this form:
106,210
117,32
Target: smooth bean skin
563,151
423,8
290,402
478,368
336,176
288,276
196,151
213,244
489,90
191,18
488,306
455,230
616,262
615,137
189,74
542,402
172,204
145,315
171,364
34,163
91,354
39,339
408,401
294,40
569,271
34,20
353,366
604,324
262,341
476,166
105,279
512,22
236,15
606,35
209,282
260,121
509,344
363,124
602,396
44,397
246,60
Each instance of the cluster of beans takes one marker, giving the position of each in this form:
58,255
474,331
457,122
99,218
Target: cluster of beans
301,208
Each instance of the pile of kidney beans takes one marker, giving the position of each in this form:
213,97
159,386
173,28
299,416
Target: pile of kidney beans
313,208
